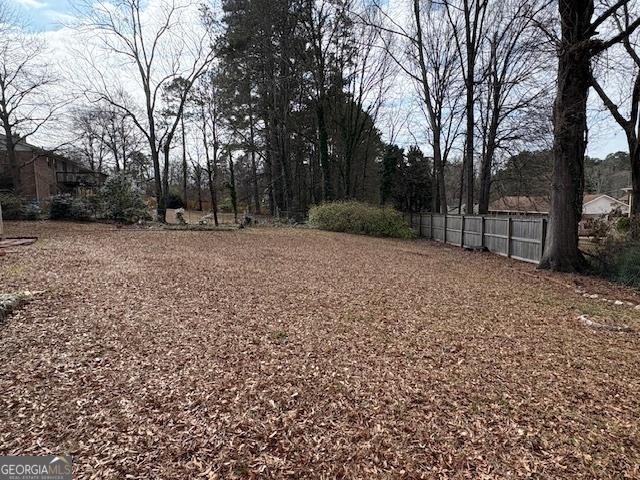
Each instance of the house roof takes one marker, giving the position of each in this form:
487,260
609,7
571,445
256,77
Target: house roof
593,198
520,204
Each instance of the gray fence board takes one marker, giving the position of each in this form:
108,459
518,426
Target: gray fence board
521,238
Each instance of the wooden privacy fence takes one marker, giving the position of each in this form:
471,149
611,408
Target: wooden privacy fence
521,238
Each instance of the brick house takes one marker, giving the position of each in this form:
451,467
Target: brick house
42,173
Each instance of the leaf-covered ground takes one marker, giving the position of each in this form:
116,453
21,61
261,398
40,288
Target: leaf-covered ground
286,353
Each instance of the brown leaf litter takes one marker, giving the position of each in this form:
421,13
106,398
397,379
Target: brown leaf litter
283,353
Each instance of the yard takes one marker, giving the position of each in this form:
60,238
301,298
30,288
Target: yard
292,353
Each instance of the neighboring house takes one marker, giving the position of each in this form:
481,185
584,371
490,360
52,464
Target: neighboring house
519,205
593,206
601,205
40,173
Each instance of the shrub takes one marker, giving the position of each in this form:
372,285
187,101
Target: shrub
619,261
122,200
623,225
360,218
174,200
60,207
66,207
13,207
32,211
81,209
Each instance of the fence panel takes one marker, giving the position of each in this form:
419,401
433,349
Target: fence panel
526,239
438,228
454,229
521,238
473,232
496,233
414,222
425,218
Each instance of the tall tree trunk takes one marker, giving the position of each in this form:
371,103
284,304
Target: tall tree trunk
442,190
254,166
211,167
323,143
435,120
269,168
185,168
165,176
569,129
485,172
634,152
161,208
10,147
232,187
434,188
467,175
211,180
490,139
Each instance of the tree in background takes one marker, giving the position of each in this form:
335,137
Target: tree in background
26,79
626,72
104,137
160,53
467,18
513,101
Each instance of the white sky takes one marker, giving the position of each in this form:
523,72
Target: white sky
48,17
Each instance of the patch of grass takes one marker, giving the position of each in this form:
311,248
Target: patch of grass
593,310
15,270
619,261
360,218
279,336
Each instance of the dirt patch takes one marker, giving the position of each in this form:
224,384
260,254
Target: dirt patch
290,353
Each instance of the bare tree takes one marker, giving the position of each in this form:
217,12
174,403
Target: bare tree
90,144
626,75
160,50
208,120
512,97
576,49
26,78
467,17
105,137
429,48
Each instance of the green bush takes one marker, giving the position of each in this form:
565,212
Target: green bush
122,200
619,261
82,209
60,207
623,224
360,218
174,200
32,211
13,208
66,207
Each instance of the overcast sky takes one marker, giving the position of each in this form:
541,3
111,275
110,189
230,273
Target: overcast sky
48,17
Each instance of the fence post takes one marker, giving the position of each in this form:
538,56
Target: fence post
445,229
482,232
431,227
543,236
420,228
509,227
462,233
